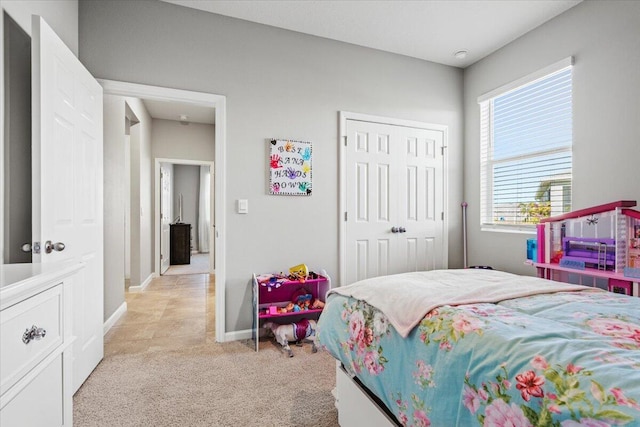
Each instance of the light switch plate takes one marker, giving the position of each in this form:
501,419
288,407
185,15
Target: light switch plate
243,206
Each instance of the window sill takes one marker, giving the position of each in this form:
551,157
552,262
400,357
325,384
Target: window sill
515,229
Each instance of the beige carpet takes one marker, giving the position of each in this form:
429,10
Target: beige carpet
210,385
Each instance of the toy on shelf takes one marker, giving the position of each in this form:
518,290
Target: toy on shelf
297,332
302,301
299,272
271,281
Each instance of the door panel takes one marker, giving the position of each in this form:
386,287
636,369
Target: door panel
370,191
394,180
422,203
67,182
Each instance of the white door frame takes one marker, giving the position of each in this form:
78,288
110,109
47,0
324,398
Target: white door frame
218,102
211,207
344,116
165,219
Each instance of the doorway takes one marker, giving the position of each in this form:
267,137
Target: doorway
186,201
218,103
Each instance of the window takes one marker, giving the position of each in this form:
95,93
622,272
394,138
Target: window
526,139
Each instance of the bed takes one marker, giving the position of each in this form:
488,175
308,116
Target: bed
482,347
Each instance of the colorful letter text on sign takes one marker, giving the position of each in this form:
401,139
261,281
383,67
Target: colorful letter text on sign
290,168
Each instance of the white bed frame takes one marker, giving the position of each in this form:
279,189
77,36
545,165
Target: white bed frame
355,407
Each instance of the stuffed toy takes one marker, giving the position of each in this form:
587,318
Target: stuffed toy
304,329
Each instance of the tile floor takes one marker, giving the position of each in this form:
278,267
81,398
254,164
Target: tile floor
198,263
171,313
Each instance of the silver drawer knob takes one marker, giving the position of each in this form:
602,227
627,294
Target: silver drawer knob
33,333
49,247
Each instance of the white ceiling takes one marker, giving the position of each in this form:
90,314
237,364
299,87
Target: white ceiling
432,30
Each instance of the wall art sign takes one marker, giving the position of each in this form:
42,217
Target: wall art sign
290,167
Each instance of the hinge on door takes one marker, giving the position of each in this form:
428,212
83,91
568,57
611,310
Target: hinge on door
442,216
345,216
161,256
442,149
345,140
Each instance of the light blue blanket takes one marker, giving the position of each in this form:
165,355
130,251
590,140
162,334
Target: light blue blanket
564,359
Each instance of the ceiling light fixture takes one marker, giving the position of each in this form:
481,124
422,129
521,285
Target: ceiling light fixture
461,54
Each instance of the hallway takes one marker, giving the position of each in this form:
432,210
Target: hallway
171,313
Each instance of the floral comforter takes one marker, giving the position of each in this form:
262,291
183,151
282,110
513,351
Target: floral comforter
564,359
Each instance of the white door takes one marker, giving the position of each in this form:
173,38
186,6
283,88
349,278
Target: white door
67,182
420,200
165,218
394,199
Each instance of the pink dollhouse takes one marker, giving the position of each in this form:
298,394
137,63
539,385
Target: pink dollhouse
600,243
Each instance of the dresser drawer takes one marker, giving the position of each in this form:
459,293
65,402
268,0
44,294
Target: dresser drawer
43,310
40,403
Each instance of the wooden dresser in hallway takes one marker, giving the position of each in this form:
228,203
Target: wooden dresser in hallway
180,248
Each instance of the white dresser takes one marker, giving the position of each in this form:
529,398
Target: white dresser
35,344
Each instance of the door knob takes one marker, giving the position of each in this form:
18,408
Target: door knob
49,247
402,230
395,229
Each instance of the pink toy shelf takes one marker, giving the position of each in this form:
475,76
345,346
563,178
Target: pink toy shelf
272,293
279,297
601,242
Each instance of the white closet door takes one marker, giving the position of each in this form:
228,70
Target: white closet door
420,201
394,199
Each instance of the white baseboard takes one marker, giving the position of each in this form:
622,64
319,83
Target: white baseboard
120,311
237,335
141,286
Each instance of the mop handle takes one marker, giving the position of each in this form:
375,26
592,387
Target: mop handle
464,234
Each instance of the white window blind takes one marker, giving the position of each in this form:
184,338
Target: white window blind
526,142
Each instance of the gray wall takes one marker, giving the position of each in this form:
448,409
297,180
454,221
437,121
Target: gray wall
604,38
114,203
17,147
141,207
278,84
61,15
